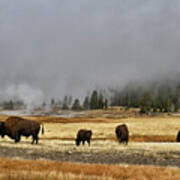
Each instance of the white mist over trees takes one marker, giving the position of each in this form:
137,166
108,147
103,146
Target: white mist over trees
160,95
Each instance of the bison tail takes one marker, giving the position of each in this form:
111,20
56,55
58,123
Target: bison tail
42,129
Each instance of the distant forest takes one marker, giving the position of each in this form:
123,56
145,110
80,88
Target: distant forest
95,101
162,95
151,96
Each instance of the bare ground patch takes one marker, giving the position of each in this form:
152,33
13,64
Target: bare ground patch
104,152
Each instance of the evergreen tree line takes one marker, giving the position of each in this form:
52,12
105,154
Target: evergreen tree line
155,96
12,105
159,96
95,101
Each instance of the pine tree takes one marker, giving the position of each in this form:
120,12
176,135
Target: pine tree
106,104
65,103
86,103
69,100
76,105
43,105
52,103
8,105
94,100
11,105
146,103
100,102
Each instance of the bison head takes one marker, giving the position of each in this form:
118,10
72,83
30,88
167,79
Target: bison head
2,129
77,142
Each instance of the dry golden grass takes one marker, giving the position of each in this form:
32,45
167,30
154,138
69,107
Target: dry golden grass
61,132
153,138
142,129
49,175
31,170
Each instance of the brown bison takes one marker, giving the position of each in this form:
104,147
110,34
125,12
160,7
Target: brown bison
2,129
178,137
122,133
15,127
83,135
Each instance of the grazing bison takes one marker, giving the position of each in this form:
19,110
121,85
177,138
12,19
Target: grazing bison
83,135
122,133
15,127
2,129
178,137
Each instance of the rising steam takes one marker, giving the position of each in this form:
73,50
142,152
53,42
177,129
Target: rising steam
32,97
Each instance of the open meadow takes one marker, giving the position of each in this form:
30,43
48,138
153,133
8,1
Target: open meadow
152,150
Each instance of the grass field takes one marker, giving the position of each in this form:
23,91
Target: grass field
152,142
48,170
142,129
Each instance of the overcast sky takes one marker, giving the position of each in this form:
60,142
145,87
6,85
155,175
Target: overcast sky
63,47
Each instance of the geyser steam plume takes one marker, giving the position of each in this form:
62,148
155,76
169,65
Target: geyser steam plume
31,97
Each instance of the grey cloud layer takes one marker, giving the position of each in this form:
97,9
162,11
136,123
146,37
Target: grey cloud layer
68,47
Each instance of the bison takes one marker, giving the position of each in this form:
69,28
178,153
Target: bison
122,133
2,129
178,137
83,135
15,127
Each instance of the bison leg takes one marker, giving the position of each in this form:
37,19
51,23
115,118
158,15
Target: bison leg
35,138
83,142
17,138
89,142
119,140
2,135
126,141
